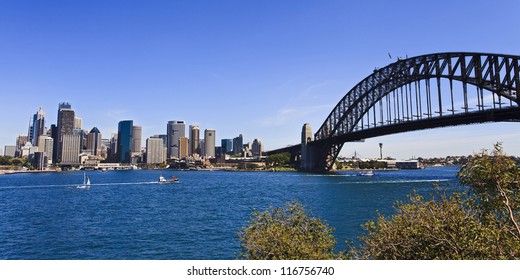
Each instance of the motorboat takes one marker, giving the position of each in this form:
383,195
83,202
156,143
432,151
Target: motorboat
366,173
163,180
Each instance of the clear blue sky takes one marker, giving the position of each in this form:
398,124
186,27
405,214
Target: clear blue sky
260,68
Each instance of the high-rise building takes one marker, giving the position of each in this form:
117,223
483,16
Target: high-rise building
37,127
174,131
194,140
226,146
209,142
94,141
49,149
238,142
10,151
137,132
70,149
257,147
65,126
124,141
78,123
183,147
20,142
154,150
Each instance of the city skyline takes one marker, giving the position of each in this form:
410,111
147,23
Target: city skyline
261,70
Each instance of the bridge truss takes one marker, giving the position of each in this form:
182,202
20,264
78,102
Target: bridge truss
421,92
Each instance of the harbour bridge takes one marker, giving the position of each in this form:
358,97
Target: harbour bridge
423,92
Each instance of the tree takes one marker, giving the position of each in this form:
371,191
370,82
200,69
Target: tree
281,159
439,228
287,233
480,224
494,179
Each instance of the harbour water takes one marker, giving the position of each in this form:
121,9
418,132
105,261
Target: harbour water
127,215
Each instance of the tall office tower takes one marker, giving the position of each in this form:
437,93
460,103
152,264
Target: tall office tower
137,133
238,142
257,147
54,135
20,142
209,142
78,123
154,150
183,147
124,141
94,142
194,140
70,149
49,149
202,147
65,126
37,127
112,153
227,146
174,131
10,151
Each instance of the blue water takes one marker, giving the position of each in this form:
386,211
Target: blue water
126,215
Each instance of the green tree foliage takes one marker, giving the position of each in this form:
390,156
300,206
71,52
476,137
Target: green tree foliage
494,179
281,159
481,224
287,233
441,227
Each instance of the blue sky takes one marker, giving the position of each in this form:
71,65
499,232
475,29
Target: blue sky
260,68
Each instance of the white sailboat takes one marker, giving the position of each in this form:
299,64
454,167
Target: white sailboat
86,182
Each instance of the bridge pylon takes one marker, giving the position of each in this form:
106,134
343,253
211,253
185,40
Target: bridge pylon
314,158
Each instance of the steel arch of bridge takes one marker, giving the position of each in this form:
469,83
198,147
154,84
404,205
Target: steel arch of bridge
421,92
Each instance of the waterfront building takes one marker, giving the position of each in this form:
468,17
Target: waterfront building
183,147
155,150
94,142
20,142
226,146
202,147
112,151
174,131
209,142
49,149
238,142
10,151
257,147
65,126
124,141
39,160
137,133
70,149
194,140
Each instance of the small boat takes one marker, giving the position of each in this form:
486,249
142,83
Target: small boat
162,180
86,182
366,173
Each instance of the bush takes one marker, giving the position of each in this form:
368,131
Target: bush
287,233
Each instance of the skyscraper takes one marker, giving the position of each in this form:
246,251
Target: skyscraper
194,140
154,150
238,142
65,126
183,147
137,132
37,126
209,142
257,147
227,146
124,141
94,141
174,131
70,149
